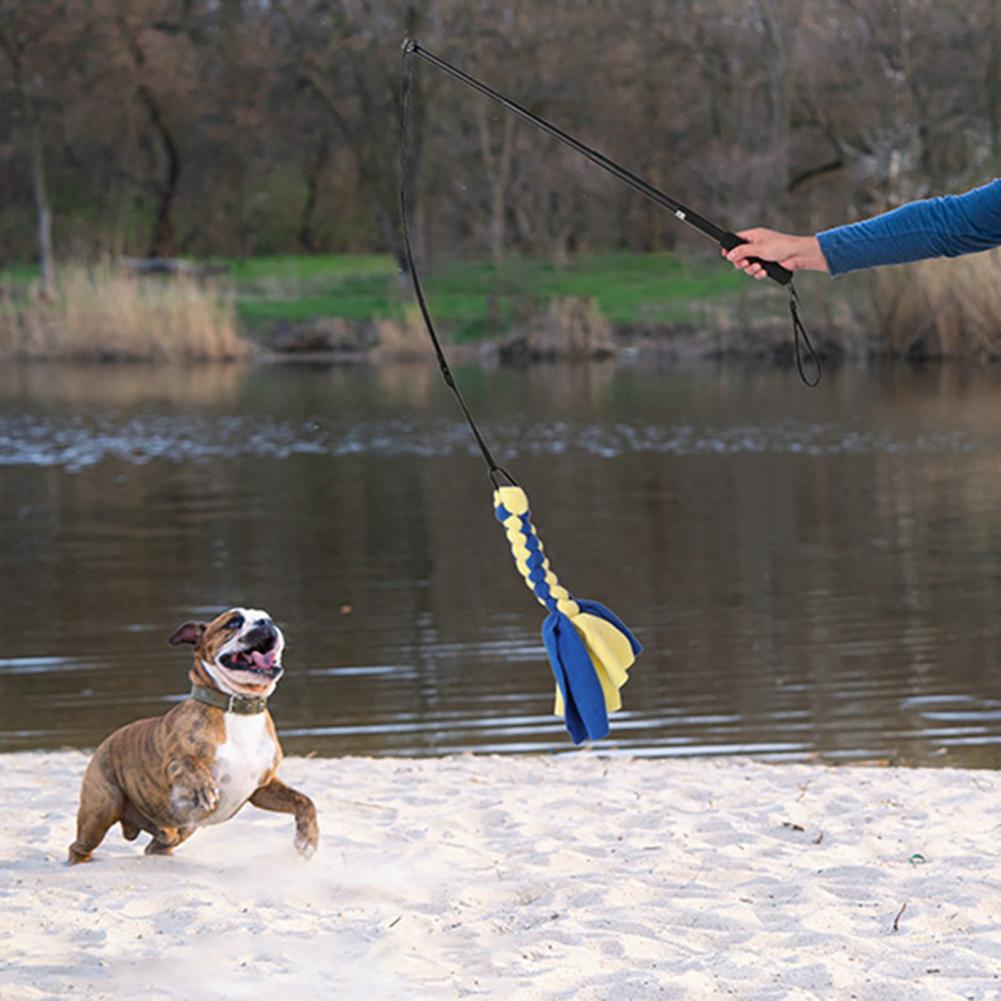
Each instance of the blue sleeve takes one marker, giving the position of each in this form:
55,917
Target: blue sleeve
935,227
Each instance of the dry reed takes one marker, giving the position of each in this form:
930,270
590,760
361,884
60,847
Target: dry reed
401,338
104,314
942,308
569,328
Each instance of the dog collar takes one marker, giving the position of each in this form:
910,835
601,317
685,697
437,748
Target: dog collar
243,704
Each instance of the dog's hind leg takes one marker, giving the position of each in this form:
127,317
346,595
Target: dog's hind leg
133,822
102,804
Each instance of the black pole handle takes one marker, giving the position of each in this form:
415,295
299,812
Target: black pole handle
773,269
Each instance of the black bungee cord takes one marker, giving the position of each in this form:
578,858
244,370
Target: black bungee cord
494,468
726,239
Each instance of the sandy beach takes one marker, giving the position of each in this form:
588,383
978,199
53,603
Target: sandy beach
576,877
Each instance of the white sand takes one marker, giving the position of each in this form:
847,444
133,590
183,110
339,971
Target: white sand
574,877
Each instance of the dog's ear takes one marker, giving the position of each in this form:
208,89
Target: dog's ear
190,632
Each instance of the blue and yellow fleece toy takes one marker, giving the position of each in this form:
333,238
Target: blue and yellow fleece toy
589,647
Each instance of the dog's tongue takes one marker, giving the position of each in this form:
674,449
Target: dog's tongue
263,661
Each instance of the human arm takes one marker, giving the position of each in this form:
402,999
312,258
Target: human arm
934,227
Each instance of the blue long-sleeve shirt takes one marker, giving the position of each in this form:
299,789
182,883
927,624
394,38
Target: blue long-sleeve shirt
934,227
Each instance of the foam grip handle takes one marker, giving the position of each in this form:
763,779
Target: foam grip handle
773,269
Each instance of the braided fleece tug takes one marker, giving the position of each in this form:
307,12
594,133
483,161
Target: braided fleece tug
590,648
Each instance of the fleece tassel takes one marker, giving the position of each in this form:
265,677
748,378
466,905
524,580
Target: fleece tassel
590,648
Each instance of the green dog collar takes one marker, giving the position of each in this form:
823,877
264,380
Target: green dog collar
242,704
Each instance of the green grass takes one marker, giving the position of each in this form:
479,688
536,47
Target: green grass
629,288
18,275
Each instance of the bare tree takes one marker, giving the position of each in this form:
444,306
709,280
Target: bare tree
242,127
22,34
338,52
132,21
992,80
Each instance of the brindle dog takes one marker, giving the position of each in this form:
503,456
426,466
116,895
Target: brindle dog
200,762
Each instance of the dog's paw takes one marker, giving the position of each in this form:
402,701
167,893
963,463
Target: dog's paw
206,798
306,840
78,855
200,799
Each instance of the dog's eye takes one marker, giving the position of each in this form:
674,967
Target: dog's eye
235,622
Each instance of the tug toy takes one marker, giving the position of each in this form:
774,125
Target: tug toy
590,648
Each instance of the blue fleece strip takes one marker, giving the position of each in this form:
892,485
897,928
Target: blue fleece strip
598,609
585,713
935,227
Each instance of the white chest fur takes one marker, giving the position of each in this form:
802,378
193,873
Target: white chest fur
241,762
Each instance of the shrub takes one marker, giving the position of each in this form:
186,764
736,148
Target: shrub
942,308
102,314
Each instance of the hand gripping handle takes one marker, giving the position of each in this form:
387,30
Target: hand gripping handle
773,269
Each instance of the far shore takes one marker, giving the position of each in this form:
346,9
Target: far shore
347,308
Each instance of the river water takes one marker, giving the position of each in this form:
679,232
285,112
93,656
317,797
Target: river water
814,574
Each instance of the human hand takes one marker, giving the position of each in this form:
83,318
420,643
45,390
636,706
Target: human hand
794,253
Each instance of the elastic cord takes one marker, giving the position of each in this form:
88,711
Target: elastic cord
799,333
446,371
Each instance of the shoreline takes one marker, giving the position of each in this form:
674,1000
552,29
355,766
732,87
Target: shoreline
521,311
569,876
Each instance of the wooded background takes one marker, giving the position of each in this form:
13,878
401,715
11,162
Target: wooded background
245,127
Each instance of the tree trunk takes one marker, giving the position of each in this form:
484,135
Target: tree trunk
778,34
993,83
36,157
163,243
43,214
498,170
314,175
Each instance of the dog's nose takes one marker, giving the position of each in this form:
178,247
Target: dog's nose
264,632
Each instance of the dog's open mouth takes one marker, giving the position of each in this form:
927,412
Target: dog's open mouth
253,661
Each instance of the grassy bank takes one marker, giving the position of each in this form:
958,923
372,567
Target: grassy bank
106,312
357,303
475,299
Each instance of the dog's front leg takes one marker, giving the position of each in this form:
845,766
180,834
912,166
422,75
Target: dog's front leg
166,839
284,799
193,792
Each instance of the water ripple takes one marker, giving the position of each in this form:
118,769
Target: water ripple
80,441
